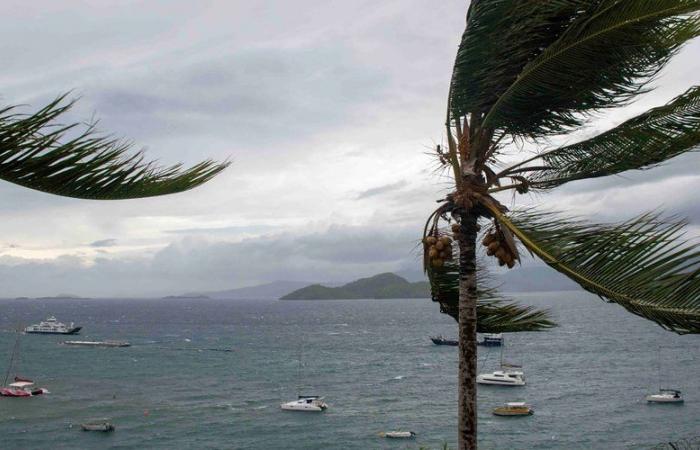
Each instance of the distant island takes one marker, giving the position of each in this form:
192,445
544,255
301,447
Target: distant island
172,297
385,285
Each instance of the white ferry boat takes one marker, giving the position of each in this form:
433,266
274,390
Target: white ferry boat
52,326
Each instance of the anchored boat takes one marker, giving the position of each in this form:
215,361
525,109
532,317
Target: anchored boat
103,425
514,409
439,340
311,403
665,396
491,340
21,387
398,434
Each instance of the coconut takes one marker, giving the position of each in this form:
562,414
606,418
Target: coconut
431,240
432,253
490,252
440,245
446,240
511,264
438,262
501,253
455,228
494,246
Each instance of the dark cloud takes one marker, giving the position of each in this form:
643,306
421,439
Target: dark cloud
382,189
104,243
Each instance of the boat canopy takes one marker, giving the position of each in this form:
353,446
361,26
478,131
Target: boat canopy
21,384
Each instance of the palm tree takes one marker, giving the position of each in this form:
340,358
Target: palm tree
528,70
74,161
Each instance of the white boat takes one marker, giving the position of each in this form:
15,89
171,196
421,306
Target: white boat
506,377
103,425
310,403
398,434
665,396
52,326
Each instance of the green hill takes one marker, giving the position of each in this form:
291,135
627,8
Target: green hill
385,285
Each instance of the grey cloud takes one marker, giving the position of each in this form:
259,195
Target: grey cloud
252,96
104,243
382,189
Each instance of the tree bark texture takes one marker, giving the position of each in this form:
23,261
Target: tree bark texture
467,333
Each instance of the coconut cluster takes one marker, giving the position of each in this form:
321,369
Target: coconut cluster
496,245
467,199
438,250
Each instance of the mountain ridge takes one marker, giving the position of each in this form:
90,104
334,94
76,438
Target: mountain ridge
381,286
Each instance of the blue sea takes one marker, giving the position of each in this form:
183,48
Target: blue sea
178,388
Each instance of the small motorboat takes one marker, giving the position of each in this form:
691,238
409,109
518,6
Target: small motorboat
103,425
514,409
398,434
22,389
439,340
505,377
308,403
665,396
491,340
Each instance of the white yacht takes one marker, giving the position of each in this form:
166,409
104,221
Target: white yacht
52,326
310,403
665,396
505,377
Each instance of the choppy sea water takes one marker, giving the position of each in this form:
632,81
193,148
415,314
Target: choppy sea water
371,359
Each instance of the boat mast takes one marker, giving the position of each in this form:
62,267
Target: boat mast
15,350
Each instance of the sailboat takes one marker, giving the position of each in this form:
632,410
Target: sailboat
20,387
665,395
509,375
306,403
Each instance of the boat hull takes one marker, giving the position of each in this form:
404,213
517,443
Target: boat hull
74,330
303,408
482,380
444,342
5,392
662,399
103,427
506,413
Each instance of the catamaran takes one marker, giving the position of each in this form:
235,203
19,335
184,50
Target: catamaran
306,403
509,375
21,387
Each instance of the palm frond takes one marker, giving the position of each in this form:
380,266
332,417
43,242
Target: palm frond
39,154
495,313
639,143
500,39
606,56
640,264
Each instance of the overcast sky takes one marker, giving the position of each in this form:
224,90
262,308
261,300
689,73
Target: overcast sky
326,108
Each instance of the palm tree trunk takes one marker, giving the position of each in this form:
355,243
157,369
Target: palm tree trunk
467,333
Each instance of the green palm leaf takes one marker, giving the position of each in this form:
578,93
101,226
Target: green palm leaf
639,143
640,264
495,313
605,57
39,154
501,37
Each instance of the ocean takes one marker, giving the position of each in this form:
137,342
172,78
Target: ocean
210,374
